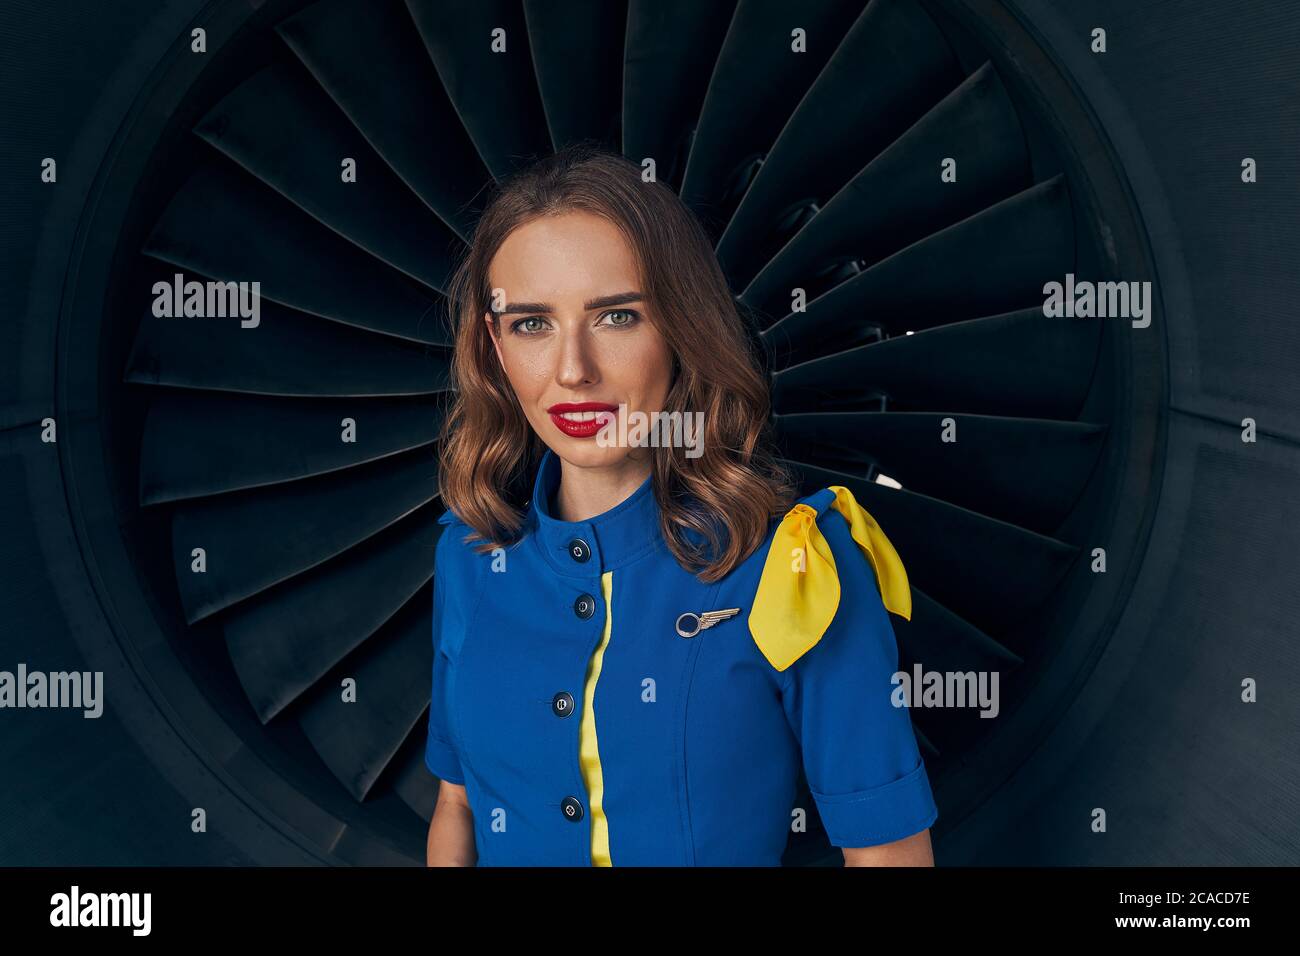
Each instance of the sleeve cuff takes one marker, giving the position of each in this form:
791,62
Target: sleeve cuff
442,761
882,814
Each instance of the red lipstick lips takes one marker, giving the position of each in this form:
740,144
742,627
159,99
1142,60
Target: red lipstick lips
569,418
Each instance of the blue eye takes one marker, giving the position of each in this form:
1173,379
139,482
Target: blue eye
524,327
631,317
517,325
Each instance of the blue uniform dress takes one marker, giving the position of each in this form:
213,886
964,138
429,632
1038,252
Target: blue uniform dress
588,730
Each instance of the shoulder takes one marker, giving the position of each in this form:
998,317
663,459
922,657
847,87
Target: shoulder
825,545
453,555
450,529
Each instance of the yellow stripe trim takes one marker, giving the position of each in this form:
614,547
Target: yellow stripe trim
589,753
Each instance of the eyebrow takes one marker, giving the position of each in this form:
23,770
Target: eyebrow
620,298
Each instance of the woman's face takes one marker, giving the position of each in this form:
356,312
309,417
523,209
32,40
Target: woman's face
575,330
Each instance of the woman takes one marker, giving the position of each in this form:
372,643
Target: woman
639,639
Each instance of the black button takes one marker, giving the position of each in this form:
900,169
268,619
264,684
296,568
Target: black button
562,704
571,809
585,606
579,550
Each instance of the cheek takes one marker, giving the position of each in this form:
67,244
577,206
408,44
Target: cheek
643,366
527,369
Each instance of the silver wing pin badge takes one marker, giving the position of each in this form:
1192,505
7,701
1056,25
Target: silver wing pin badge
689,624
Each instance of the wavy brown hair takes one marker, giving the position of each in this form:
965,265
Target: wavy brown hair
489,451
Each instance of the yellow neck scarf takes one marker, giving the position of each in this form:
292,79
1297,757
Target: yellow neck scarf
799,590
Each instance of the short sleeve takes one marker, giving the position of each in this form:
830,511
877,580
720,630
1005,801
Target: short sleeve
859,750
439,754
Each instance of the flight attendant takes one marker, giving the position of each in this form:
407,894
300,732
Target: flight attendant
640,639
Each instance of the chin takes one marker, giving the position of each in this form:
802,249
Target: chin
585,453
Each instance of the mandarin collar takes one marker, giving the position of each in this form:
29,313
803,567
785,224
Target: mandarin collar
608,540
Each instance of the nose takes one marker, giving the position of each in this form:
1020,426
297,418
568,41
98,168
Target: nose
576,363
